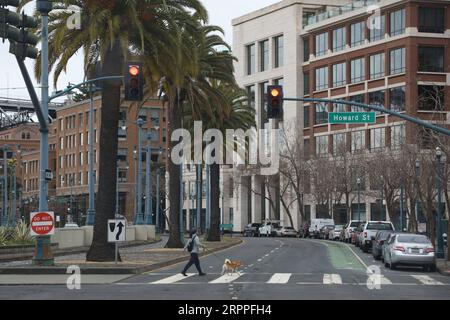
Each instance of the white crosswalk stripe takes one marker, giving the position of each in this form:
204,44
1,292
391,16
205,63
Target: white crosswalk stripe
332,279
172,279
427,280
227,278
280,278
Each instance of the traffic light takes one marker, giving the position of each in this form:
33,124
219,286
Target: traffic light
275,102
13,26
134,82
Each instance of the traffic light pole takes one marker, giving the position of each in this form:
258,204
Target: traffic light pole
376,108
43,255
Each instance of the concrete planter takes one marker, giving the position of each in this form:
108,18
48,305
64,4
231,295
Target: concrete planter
131,233
69,238
140,232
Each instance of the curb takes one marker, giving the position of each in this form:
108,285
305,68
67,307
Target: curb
104,270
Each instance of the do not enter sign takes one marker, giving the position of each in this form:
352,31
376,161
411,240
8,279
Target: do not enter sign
42,223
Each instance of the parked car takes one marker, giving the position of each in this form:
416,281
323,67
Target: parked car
324,231
278,231
252,230
411,250
316,225
268,229
288,232
369,230
377,244
335,234
351,226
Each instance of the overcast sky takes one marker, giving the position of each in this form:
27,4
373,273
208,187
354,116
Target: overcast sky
220,13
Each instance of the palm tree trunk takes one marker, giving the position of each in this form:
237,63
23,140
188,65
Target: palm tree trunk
100,249
175,115
214,231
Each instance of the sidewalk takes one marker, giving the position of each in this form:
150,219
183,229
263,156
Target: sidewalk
443,267
135,260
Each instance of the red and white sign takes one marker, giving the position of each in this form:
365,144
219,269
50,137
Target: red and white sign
42,223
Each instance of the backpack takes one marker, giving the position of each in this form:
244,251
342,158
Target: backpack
190,246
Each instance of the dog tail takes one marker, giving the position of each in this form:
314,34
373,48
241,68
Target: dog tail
227,261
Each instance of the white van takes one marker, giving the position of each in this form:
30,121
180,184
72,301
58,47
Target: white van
317,224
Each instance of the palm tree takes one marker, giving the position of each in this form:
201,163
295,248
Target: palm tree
187,81
238,114
110,32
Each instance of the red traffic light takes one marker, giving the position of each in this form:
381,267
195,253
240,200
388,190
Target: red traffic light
134,71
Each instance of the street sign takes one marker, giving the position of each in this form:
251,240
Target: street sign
351,117
42,223
48,175
226,226
116,230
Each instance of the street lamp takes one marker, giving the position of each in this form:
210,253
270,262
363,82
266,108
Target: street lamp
382,199
4,217
440,240
358,182
417,191
148,182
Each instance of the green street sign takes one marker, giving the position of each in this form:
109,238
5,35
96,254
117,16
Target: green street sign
351,117
226,226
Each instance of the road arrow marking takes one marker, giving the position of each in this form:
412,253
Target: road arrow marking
280,278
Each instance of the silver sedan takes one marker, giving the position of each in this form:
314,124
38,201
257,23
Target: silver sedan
409,250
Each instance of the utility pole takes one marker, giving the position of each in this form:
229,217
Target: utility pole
4,221
91,180
139,217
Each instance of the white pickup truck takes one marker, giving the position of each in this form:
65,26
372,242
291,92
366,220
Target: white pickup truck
268,229
369,232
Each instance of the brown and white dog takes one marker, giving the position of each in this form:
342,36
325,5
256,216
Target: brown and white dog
231,266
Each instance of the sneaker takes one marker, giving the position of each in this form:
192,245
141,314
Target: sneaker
202,274
184,274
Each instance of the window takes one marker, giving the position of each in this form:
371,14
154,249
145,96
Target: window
321,112
397,99
61,162
431,98
377,99
357,34
377,66
357,70
278,82
306,83
431,20
339,143
81,119
377,139
398,136
397,22
263,100
306,50
358,141
339,74
61,143
81,159
251,62
251,96
377,29
306,116
122,154
339,39
264,55
306,148
397,60
279,51
81,137
358,99
431,59
322,78
322,146
321,44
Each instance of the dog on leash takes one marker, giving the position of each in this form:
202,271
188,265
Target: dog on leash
230,266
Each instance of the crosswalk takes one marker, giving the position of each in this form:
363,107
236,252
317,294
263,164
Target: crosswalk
328,279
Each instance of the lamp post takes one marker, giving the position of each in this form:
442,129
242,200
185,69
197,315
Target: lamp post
14,194
158,202
4,220
199,195
440,240
91,181
417,193
382,199
148,183
117,187
358,182
139,215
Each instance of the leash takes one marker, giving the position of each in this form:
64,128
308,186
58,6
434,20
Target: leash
214,254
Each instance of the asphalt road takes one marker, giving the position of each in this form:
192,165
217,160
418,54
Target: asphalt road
274,268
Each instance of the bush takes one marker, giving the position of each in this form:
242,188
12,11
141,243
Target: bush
22,232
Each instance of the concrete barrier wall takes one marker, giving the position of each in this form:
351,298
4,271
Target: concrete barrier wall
82,237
